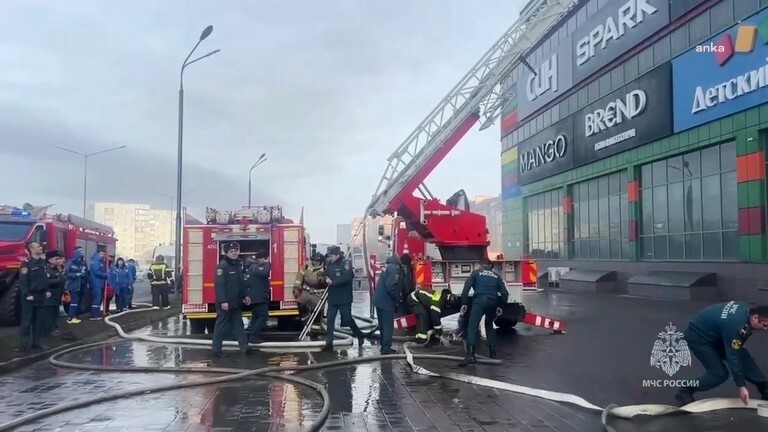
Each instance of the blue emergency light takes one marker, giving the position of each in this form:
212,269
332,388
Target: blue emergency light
15,213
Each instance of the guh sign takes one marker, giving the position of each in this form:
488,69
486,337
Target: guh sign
614,29
544,80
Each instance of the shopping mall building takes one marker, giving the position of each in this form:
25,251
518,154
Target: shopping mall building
633,149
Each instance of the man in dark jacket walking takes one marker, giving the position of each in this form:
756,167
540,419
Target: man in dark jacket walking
257,285
386,299
230,295
339,276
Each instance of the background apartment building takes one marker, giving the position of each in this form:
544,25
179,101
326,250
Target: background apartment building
138,227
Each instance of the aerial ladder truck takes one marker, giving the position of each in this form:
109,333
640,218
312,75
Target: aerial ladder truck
459,236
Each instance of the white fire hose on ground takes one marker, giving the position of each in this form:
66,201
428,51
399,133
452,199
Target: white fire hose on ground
281,373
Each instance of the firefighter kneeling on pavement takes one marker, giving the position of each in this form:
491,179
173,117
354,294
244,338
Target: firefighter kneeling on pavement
309,288
428,306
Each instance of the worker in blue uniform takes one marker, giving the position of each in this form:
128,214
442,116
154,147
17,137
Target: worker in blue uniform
231,294
717,334
131,264
76,284
386,299
98,282
338,277
490,294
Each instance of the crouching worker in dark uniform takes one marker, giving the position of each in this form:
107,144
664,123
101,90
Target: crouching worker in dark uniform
339,276
230,295
490,294
428,306
386,299
57,281
257,282
33,281
717,334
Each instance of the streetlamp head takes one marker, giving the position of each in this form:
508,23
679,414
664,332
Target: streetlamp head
263,155
207,32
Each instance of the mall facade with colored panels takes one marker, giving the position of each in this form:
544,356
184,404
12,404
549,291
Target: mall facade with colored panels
633,149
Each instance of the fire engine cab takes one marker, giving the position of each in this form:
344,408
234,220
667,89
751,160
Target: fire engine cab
261,228
54,232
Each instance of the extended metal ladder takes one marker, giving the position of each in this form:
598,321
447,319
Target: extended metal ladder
478,92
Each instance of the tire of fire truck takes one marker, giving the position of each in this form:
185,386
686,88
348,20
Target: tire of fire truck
198,326
289,324
513,313
10,306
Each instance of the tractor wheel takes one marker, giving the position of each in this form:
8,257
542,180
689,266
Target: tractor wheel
10,306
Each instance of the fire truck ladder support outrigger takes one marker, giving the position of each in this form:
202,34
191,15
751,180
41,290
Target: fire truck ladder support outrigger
478,95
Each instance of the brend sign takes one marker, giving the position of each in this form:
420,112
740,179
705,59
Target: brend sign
615,113
630,15
543,154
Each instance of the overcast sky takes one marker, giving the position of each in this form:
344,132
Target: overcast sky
328,89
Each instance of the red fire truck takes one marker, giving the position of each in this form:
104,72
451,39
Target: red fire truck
261,228
458,237
60,232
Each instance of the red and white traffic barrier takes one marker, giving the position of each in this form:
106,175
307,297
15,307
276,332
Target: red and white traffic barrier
543,322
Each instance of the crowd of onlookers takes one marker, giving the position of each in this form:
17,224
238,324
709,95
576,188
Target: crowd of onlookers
48,282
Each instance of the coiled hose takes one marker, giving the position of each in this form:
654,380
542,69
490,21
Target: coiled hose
280,372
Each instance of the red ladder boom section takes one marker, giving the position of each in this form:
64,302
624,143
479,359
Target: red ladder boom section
433,220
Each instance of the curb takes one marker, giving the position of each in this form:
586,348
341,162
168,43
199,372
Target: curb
21,362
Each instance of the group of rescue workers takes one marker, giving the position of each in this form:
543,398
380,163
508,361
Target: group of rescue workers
327,280
716,335
48,281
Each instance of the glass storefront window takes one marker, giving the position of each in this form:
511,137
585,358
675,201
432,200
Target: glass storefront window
544,216
601,217
689,207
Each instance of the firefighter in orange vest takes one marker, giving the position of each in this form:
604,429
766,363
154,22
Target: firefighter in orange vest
428,306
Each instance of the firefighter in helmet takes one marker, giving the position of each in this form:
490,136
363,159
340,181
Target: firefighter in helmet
309,288
428,305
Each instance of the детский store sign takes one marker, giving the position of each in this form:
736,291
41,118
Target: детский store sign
613,30
722,76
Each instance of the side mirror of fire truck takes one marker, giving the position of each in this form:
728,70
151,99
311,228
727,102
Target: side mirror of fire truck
381,230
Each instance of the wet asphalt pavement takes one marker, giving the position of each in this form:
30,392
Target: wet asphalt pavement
603,357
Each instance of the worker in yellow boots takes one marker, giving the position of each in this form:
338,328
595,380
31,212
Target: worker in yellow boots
428,305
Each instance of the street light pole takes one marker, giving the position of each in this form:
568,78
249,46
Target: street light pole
206,32
261,160
85,157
